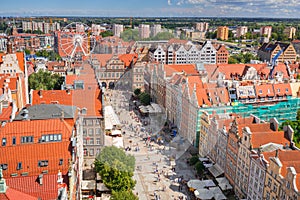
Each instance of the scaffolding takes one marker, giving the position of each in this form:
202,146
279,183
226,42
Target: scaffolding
282,111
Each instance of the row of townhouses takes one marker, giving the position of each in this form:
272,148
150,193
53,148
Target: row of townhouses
224,111
61,125
189,53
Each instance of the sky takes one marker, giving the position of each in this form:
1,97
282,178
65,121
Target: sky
152,8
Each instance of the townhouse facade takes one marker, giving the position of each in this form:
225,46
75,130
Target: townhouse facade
268,50
208,53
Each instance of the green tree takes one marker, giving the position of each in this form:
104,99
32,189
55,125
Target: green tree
193,160
199,167
163,36
130,34
115,168
45,81
144,98
137,91
27,51
123,195
106,33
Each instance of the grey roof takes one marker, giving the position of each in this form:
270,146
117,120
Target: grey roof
46,111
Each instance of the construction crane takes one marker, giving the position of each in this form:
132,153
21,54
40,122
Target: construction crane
274,59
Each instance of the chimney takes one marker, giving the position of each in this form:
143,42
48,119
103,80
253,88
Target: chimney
274,124
62,116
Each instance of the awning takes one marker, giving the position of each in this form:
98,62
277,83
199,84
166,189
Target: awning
203,194
223,183
116,132
216,170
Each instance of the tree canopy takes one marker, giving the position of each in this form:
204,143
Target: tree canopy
45,81
241,58
106,33
144,98
51,55
130,34
296,127
116,168
123,195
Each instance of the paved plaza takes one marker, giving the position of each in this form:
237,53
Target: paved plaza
161,169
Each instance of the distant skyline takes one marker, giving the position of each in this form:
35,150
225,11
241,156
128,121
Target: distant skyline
153,8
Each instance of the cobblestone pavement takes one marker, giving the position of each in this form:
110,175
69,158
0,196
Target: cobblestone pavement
154,175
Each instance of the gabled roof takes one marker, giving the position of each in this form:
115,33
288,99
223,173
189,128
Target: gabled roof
231,69
62,97
127,59
21,61
29,185
102,58
188,69
281,89
30,155
264,90
13,194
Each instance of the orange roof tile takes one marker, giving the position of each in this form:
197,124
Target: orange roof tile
234,69
281,89
70,79
188,69
128,59
30,186
264,90
52,96
102,58
12,194
6,113
21,60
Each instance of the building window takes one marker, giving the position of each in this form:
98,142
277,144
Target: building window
43,163
14,141
3,166
84,131
91,152
3,142
19,166
26,139
91,131
91,141
98,141
98,131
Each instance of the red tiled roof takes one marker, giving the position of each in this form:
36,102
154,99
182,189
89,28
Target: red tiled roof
13,194
288,158
102,58
264,90
281,89
21,61
234,69
30,186
189,69
6,113
52,96
70,79
27,152
128,58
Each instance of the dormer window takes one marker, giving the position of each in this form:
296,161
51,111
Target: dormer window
278,90
269,91
3,142
19,166
260,91
61,161
286,90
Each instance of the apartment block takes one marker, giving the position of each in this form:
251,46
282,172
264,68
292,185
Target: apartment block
241,31
117,29
144,31
222,32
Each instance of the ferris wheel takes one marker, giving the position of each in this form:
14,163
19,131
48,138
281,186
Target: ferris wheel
76,40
